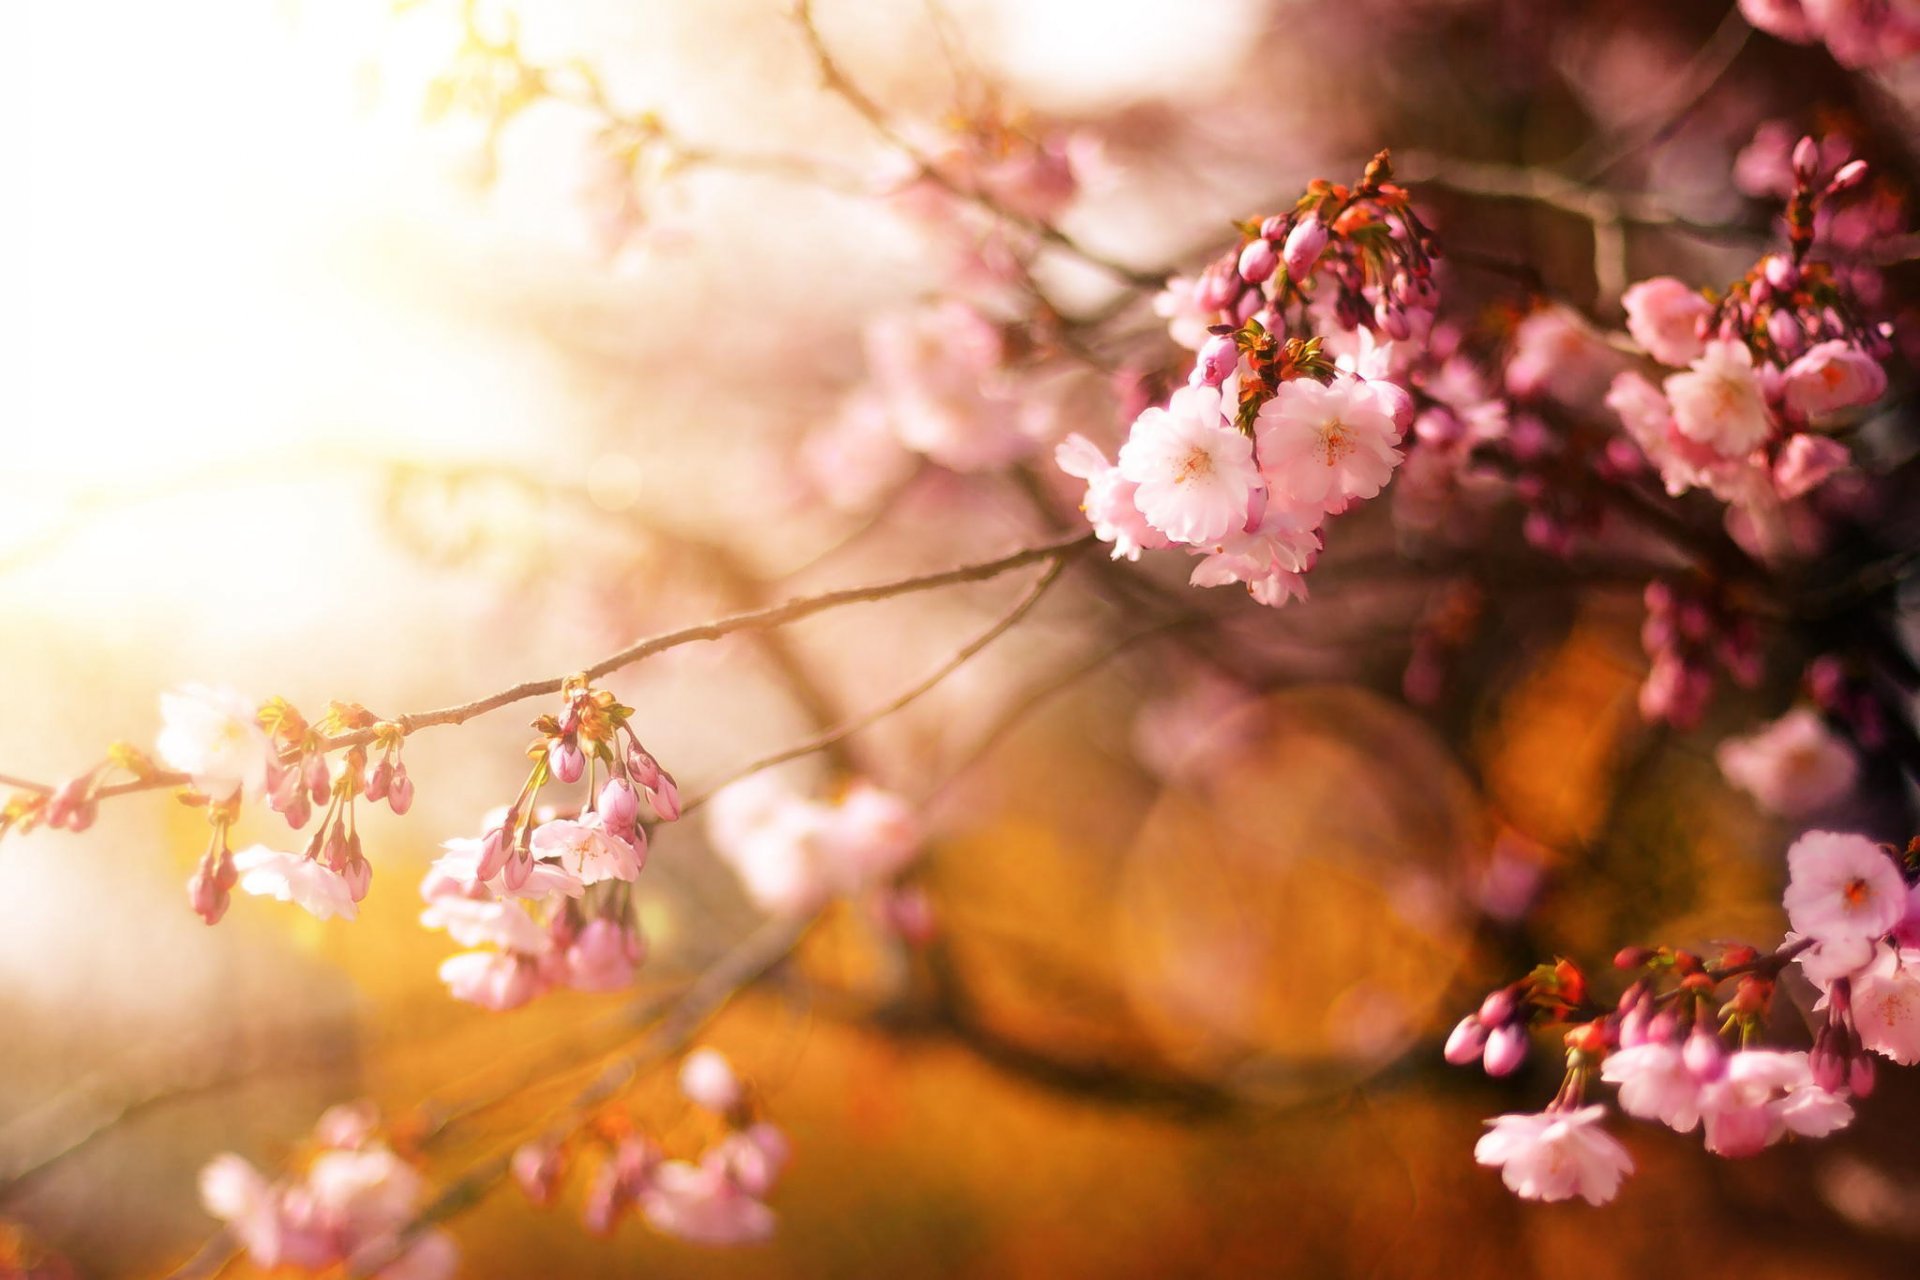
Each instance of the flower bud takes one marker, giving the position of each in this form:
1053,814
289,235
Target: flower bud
539,1167
400,795
1851,175
708,1081
1860,1075
1257,261
1497,1009
493,852
1806,159
379,779
664,795
1785,333
207,895
358,875
566,759
641,765
1704,1055
619,806
1217,361
1273,227
319,782
1468,1041
1506,1050
1392,321
518,867
334,852
1304,244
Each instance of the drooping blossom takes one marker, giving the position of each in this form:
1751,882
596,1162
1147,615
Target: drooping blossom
587,850
1805,463
502,923
1655,1083
1831,377
1718,401
456,873
793,853
1842,886
1557,354
214,736
1665,317
1886,1004
1194,474
1108,503
496,980
1556,1155
290,877
1325,446
707,1079
1794,767
1271,559
1762,1095
700,1203
351,1209
604,956
941,373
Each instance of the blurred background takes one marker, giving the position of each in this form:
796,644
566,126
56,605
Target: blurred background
327,374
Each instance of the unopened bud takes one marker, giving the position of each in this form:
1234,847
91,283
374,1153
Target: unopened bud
1506,1050
1217,361
1468,1041
1257,261
566,759
400,795
1304,245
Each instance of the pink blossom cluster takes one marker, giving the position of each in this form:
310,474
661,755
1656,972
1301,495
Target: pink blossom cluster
1856,937
717,1197
354,1206
1767,373
1692,630
793,853
1794,767
1859,33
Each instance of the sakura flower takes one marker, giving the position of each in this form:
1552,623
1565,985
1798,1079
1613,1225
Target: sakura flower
1793,767
1556,1155
1187,316
604,956
941,372
1824,963
292,878
1665,317
792,853
1108,503
214,736
855,458
496,980
700,1203
1832,376
1886,1005
1271,559
457,873
1324,446
588,850
1655,1084
752,1157
1842,886
1557,354
1718,402
1763,1095
1805,463
1194,473
232,1190
502,924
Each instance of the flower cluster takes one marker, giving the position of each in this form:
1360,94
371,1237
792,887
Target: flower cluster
793,853
1664,1044
355,1206
716,1198
543,899
1859,33
1693,628
1272,435
1767,372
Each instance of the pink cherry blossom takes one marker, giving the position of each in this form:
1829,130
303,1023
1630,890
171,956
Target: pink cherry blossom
1556,1155
1665,317
1805,463
1324,446
1108,503
456,873
214,735
1833,376
588,850
855,457
1655,1084
793,853
1557,354
1761,1096
1194,473
290,877
1794,767
504,924
1718,401
940,372
1842,886
1271,559
1187,317
752,1157
702,1204
496,980
1886,1005
604,956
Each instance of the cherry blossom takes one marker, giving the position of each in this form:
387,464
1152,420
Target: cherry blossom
1666,317
1194,474
292,877
1886,1005
1324,446
1718,401
1556,1155
1831,377
214,735
1793,767
587,850
1842,886
1108,504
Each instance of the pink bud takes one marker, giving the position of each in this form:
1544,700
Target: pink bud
1468,1041
359,877
1218,359
644,769
538,1168
1860,1075
1506,1050
1785,333
1780,272
298,809
566,759
1273,227
400,796
708,1081
334,852
1392,321
619,806
519,867
493,852
1257,261
379,779
1704,1055
209,897
664,795
1497,1008
1806,158
319,784
1851,175
1304,244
